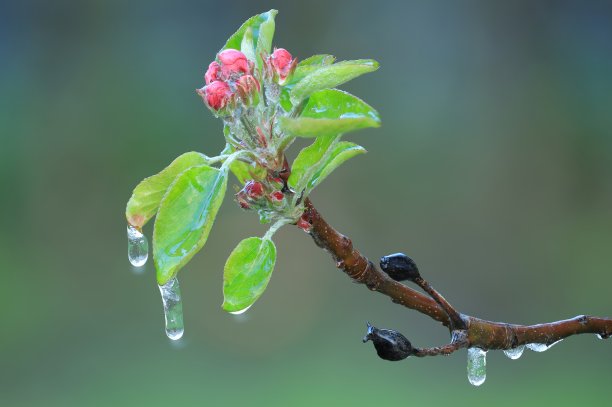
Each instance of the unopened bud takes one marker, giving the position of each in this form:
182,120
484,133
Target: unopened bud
212,74
253,189
389,345
399,267
281,62
248,88
277,196
304,224
216,94
233,62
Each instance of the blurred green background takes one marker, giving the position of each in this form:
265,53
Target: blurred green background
493,170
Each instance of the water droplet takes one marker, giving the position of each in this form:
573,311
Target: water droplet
173,309
477,366
242,311
600,336
541,347
514,353
138,247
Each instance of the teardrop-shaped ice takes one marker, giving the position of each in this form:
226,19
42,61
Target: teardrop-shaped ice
537,347
514,353
242,311
173,309
541,347
477,366
138,247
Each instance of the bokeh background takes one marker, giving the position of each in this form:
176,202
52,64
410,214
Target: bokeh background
493,169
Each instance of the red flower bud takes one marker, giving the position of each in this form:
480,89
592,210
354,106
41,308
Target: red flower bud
303,224
281,62
253,189
212,74
233,62
277,196
216,94
248,83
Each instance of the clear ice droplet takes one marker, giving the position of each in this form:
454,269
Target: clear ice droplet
138,247
514,353
541,347
173,309
477,366
242,311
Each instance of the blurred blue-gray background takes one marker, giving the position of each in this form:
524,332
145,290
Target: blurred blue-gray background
493,169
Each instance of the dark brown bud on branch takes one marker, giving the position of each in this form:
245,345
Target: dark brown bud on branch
390,345
399,267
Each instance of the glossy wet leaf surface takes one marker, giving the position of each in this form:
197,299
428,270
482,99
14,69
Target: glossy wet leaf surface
330,76
186,215
147,195
312,162
331,112
247,273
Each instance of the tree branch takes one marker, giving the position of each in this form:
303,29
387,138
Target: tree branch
475,332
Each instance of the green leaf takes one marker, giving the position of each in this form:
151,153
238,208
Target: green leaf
262,26
309,65
186,215
247,273
145,199
331,112
247,46
264,40
313,162
330,76
319,59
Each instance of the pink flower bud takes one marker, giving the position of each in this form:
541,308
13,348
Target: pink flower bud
253,189
277,196
212,74
233,62
242,200
248,83
303,224
217,94
281,61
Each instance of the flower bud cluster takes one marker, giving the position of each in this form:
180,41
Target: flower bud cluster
260,195
229,80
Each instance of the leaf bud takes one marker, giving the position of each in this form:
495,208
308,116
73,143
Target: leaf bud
399,267
389,345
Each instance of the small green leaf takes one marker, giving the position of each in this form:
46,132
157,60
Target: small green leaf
319,59
186,215
247,46
314,163
264,40
262,28
330,76
247,273
309,65
331,112
145,199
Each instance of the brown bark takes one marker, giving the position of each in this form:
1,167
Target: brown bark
480,333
